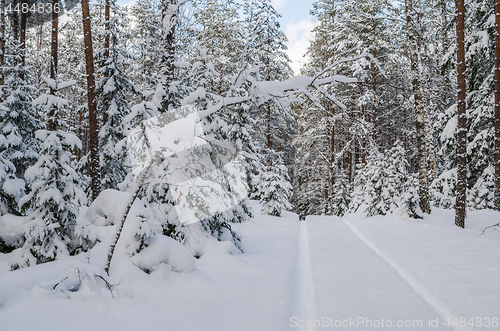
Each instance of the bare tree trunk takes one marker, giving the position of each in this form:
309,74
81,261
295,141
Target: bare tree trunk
423,189
15,21
332,155
268,134
430,144
405,142
106,47
169,12
51,125
95,183
497,104
2,39
462,120
22,38
374,89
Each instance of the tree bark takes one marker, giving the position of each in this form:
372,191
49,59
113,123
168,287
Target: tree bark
107,17
15,21
374,88
423,189
374,91
51,125
432,151
22,38
462,119
497,105
2,39
169,14
95,184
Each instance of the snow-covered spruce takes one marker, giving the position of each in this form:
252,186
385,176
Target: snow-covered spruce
18,146
275,188
115,90
382,185
52,205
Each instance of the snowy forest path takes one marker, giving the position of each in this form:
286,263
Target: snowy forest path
303,303
356,285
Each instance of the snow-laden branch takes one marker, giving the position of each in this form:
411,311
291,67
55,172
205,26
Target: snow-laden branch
260,92
392,18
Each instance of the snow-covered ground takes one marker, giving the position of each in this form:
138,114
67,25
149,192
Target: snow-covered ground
327,272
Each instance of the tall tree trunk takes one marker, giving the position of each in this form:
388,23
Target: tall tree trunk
405,143
268,134
430,139
169,12
374,91
107,17
374,87
15,21
2,39
497,104
51,125
462,119
430,144
423,189
95,182
332,154
22,38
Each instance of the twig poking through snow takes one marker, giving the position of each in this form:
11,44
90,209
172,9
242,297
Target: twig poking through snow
489,227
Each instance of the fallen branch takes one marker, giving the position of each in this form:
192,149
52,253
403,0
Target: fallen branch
489,227
108,285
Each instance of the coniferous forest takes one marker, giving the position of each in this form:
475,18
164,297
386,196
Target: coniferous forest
153,132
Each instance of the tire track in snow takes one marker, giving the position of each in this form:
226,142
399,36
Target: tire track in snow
440,307
303,302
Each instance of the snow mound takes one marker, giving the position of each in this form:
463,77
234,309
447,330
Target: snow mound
108,208
11,229
164,250
88,280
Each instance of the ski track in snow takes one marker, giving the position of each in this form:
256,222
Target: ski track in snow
441,308
304,307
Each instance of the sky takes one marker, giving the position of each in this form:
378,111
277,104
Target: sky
297,24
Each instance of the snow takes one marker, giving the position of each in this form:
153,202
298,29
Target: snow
454,267
56,85
323,272
245,292
108,208
165,250
196,166
11,230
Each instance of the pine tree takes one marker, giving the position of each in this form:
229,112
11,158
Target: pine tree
462,120
52,205
145,33
18,146
92,103
275,187
342,195
165,94
114,89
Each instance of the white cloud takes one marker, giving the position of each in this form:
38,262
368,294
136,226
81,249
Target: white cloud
278,3
299,36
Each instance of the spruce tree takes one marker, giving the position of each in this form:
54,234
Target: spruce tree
114,89
18,146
